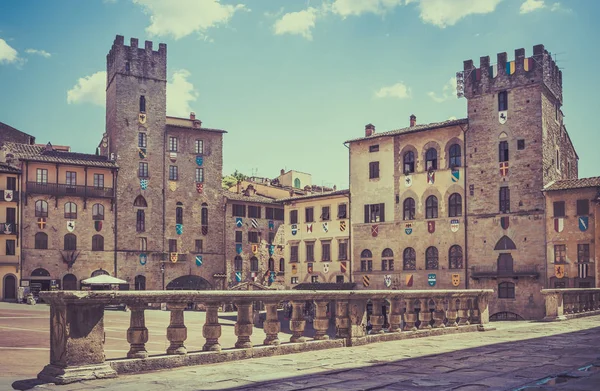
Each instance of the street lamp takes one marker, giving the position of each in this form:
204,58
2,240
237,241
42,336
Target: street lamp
162,270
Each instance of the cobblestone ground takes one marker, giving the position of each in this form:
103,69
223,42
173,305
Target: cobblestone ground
516,355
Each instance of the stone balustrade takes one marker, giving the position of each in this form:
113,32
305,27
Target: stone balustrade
563,304
77,325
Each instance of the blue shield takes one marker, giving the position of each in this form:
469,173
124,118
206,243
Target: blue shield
199,160
238,248
179,229
143,259
583,223
238,276
272,277
238,222
431,279
294,229
143,184
198,260
408,228
271,225
271,249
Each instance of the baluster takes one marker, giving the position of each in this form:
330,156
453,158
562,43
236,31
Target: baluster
243,325
463,313
568,301
176,332
424,315
297,322
377,317
439,314
271,324
137,334
395,314
342,319
452,313
484,312
211,330
321,321
474,311
410,317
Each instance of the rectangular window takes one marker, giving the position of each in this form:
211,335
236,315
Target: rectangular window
172,245
254,211
140,223
559,209
11,247
326,251
199,147
583,207
583,253
143,170
142,140
342,211
173,173
325,213
504,200
374,213
559,285
238,236
374,148
142,100
253,237
363,266
71,179
309,215
314,279
294,253
310,252
11,183
293,217
143,244
11,215
199,246
199,175
278,214
294,280
238,210
41,175
342,250
503,151
373,170
339,279
520,144
502,101
98,180
172,144
269,213
560,253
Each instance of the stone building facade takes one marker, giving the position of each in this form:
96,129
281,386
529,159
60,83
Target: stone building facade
10,243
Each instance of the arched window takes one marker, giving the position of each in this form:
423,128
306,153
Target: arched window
70,242
455,155
204,218
70,210
142,104
179,213
409,162
409,259
140,222
506,290
281,265
505,243
98,212
140,283
387,259
271,264
69,282
40,273
431,258
297,183
366,260
431,207
97,243
41,241
238,263
455,257
253,264
140,202
99,272
455,205
41,208
431,159
409,209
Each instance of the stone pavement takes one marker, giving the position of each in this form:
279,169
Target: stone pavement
513,356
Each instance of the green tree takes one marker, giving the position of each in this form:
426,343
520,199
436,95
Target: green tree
232,179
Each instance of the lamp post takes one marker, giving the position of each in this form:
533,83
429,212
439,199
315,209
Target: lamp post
162,270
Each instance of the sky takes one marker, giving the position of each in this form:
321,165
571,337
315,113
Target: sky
290,80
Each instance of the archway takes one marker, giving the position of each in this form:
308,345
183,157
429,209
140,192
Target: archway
505,316
40,281
10,287
100,272
140,283
69,282
189,282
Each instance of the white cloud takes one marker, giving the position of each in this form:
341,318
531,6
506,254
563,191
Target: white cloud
184,17
298,23
345,8
531,5
444,13
89,89
7,53
398,90
42,53
180,94
448,91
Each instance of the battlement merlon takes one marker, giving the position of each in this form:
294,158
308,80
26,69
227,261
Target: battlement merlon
135,61
505,74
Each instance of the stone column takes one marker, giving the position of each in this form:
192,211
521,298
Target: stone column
424,315
395,314
410,317
176,332
463,312
358,319
554,307
297,322
321,321
474,307
439,314
243,326
76,344
452,313
211,330
484,313
342,319
271,324
377,317
137,334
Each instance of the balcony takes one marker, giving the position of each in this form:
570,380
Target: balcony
60,189
478,272
166,257
9,228
11,196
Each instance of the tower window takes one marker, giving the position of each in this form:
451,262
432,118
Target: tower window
520,144
455,155
173,173
409,162
373,170
431,159
504,200
172,144
142,140
502,101
127,67
503,151
142,104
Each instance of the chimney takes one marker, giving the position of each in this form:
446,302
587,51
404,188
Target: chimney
192,115
413,120
239,185
49,147
369,130
282,172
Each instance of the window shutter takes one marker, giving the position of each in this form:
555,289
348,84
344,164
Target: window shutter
382,213
367,219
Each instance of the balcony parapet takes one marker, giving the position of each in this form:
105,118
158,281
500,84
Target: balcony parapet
77,325
60,189
9,228
478,272
563,304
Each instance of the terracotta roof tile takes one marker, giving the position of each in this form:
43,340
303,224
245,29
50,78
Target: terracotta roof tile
7,168
38,153
566,184
311,196
414,129
251,198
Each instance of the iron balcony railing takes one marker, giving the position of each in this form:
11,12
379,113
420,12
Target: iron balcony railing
9,195
9,228
494,272
61,189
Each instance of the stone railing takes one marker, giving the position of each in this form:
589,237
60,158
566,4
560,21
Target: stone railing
563,304
77,325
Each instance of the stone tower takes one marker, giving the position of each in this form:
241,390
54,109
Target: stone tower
135,128
516,143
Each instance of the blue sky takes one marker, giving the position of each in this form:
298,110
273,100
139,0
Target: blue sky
289,80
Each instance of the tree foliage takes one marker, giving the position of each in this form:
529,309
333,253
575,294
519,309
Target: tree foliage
232,179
